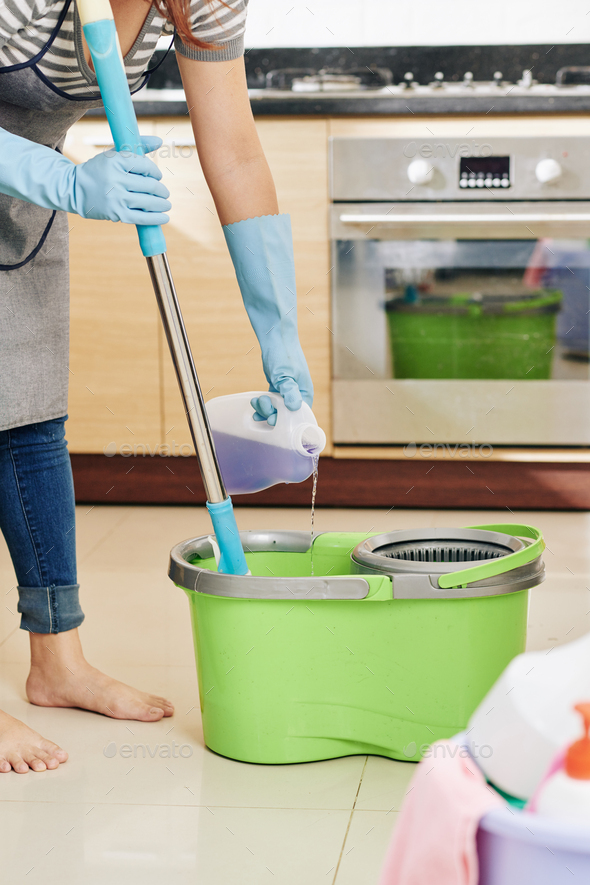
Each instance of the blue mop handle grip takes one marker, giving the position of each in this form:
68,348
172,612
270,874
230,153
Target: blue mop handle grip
101,37
232,560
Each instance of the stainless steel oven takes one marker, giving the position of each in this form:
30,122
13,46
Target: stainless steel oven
461,290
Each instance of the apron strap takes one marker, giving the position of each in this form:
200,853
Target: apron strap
34,252
148,74
37,248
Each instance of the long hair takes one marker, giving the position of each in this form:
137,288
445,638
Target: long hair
177,12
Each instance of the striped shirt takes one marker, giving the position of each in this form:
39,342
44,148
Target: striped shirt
26,25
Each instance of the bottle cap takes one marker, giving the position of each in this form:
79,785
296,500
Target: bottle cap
577,760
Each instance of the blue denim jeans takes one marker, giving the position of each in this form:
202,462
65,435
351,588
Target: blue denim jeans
37,519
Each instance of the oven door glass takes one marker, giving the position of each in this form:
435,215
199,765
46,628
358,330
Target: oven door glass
461,339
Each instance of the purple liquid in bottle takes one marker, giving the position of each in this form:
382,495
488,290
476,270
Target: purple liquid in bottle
250,466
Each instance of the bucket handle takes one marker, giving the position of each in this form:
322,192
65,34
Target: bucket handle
501,565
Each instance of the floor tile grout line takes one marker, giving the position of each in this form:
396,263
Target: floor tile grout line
350,820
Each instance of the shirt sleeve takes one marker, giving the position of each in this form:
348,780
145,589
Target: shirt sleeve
222,24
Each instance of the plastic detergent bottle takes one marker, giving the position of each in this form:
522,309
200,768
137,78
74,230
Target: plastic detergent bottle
252,454
528,715
567,793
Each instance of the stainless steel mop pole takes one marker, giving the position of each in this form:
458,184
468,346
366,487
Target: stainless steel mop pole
186,373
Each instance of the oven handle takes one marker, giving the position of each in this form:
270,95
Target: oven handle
480,218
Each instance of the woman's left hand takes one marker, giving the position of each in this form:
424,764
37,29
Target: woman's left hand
261,249
288,375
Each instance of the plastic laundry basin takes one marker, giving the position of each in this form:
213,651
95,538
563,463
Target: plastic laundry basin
518,848
295,668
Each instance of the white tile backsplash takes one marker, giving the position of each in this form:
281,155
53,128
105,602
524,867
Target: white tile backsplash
281,23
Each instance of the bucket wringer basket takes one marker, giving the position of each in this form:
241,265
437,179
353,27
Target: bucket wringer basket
360,644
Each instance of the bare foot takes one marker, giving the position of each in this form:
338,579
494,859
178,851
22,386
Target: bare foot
22,749
61,677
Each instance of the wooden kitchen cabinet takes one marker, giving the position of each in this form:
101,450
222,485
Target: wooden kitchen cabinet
114,365
122,387
123,392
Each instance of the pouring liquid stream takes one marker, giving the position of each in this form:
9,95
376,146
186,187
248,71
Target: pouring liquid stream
316,460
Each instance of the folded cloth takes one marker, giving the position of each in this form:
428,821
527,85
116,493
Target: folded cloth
434,838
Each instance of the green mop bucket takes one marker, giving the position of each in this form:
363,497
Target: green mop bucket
494,337
389,644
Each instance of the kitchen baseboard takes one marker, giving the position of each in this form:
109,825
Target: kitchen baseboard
348,482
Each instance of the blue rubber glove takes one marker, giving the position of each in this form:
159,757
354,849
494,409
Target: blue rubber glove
114,186
262,253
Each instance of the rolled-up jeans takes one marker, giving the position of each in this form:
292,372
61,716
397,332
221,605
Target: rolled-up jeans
37,519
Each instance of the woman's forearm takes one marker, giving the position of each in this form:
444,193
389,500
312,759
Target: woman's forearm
244,189
227,142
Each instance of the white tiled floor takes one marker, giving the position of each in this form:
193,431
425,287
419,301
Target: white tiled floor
205,819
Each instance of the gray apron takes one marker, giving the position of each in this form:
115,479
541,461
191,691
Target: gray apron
34,267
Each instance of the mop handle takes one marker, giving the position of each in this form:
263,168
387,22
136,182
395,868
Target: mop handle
101,35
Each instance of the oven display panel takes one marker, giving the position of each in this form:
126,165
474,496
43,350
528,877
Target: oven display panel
492,172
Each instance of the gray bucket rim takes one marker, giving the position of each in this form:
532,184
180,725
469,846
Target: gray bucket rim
201,580
408,584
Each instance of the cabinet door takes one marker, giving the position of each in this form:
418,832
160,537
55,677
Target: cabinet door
115,401
225,348
123,392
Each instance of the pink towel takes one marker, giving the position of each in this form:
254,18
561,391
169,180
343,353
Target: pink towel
434,838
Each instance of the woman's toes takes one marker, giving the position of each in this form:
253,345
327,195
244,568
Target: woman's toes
18,764
165,705
51,751
22,749
151,714
37,764
50,760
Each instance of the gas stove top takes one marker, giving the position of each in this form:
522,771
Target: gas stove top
377,81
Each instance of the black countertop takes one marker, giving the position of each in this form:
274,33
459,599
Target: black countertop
326,105
164,97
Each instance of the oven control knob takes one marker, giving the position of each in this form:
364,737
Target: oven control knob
548,170
420,172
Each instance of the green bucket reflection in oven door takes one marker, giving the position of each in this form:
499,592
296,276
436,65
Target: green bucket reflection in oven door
510,337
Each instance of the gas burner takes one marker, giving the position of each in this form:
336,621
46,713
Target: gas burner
573,75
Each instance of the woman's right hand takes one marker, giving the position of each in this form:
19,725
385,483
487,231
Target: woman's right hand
120,186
